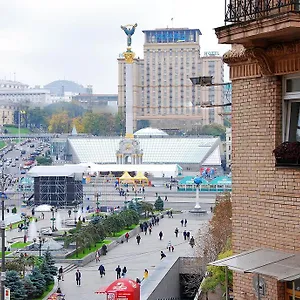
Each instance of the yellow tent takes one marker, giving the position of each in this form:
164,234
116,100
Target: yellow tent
126,178
140,177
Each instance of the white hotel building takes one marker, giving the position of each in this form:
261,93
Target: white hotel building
163,92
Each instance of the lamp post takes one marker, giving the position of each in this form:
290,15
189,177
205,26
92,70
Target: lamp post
40,245
4,182
53,218
97,201
75,211
197,181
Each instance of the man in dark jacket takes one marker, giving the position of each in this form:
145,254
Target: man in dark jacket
101,269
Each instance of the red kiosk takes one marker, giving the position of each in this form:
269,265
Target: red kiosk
123,288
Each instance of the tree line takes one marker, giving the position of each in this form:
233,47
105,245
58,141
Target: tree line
28,277
61,117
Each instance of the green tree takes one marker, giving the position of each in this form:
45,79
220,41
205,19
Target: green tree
37,279
132,206
16,286
45,270
29,287
217,275
43,161
214,129
36,117
72,109
120,126
50,262
146,208
159,204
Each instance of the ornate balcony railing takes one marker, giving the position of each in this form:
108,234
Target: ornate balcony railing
237,11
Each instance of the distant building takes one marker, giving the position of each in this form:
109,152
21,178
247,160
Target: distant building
98,102
61,87
164,94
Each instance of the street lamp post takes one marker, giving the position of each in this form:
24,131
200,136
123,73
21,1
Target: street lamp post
75,211
197,181
40,245
97,202
53,218
4,182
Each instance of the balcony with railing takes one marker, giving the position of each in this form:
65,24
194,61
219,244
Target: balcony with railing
244,10
260,22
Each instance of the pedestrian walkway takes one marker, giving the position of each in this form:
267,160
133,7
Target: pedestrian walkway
135,257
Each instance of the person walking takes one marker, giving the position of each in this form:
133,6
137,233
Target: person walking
182,221
162,255
146,274
69,212
127,236
101,270
160,235
169,247
78,277
185,222
138,239
124,271
192,242
184,235
176,232
118,270
97,256
61,273
150,229
188,234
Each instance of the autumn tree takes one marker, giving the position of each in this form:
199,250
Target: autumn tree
213,241
60,123
78,123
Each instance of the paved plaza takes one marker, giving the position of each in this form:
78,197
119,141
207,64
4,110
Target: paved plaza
135,257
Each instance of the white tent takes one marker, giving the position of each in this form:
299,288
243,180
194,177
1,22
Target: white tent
156,170
43,208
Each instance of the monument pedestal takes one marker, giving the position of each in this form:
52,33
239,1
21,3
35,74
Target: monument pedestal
129,152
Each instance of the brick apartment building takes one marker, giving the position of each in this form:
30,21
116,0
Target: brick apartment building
265,71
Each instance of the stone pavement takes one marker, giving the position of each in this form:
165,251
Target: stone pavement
135,257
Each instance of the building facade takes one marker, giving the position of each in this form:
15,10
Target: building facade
163,92
265,72
98,102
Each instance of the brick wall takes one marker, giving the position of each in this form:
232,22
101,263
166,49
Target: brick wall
266,200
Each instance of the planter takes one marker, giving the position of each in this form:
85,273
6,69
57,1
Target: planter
287,154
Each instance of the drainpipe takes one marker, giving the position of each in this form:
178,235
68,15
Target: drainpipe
258,289
294,296
226,284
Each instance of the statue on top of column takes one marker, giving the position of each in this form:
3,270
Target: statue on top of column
129,30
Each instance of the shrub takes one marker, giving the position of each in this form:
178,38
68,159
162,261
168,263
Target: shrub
159,204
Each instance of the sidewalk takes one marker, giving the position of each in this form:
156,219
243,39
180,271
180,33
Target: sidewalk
135,258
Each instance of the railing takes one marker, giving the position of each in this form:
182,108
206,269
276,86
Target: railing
237,11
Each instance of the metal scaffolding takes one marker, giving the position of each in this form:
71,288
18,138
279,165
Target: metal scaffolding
59,191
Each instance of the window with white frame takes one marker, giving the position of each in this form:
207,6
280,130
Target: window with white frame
291,109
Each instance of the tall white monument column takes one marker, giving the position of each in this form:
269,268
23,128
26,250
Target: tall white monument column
129,148
129,99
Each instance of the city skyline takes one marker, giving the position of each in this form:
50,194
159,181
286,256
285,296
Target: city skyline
43,42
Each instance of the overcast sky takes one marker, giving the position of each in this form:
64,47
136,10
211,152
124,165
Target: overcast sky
46,40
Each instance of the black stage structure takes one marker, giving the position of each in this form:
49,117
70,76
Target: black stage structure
59,186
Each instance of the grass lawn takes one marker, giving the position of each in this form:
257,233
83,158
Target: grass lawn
14,130
20,245
88,251
120,233
2,144
6,252
49,289
15,225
